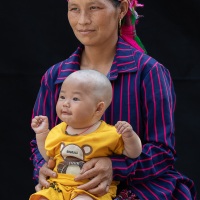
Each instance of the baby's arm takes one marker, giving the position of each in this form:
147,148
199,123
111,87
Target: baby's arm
132,143
40,125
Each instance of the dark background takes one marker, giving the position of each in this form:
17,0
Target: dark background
35,35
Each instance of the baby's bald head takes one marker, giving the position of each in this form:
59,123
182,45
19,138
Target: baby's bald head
93,83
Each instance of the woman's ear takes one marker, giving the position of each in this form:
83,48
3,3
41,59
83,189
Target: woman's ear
123,8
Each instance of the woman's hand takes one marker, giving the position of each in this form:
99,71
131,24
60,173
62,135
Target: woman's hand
45,172
99,170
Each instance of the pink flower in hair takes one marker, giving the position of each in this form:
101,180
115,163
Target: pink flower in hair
127,31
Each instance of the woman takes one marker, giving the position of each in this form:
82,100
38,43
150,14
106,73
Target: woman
143,95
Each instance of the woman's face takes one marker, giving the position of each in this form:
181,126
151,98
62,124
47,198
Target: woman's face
94,22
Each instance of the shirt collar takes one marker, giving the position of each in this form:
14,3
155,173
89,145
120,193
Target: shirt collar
123,61
69,65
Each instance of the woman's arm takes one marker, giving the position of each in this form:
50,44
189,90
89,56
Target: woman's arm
44,105
157,115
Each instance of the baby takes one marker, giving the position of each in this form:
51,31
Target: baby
82,135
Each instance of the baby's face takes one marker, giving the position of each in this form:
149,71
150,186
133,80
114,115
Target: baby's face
76,105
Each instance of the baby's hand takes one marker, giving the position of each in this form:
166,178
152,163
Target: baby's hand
124,128
40,124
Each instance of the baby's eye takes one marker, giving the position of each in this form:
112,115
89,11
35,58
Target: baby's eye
62,97
75,99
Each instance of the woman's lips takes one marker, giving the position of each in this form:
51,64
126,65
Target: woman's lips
85,32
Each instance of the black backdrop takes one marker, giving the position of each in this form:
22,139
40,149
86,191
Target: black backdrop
35,35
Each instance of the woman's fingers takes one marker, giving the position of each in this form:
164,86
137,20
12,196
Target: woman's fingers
45,173
100,189
99,171
38,187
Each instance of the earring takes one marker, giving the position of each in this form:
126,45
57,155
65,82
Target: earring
119,26
120,23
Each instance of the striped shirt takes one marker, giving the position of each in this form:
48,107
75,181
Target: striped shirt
143,95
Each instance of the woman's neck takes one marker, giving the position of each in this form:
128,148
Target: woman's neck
98,58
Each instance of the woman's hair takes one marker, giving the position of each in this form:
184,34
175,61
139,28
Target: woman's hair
128,25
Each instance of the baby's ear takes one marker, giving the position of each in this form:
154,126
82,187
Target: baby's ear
100,107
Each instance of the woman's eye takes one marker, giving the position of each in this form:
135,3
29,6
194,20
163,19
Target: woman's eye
94,8
73,9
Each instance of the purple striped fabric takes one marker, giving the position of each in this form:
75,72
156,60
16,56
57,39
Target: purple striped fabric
143,95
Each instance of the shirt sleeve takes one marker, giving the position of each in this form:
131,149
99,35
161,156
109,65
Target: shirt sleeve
44,105
157,104
36,158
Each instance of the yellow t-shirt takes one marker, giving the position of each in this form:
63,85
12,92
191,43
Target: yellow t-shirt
70,152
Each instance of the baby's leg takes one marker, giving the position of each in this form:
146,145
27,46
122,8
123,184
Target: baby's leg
83,197
42,198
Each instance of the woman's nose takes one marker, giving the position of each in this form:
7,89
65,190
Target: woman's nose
84,18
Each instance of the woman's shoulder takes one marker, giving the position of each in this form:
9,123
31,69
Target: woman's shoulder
66,63
127,52
59,71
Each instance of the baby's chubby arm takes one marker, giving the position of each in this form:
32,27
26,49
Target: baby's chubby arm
132,142
40,125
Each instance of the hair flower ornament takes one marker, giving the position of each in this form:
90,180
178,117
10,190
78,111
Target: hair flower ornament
127,29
